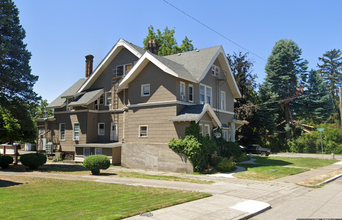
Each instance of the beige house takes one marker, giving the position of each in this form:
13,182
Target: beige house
135,101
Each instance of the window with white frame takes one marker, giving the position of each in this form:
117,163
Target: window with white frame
215,70
98,151
225,134
108,98
205,94
123,69
223,100
201,129
145,90
143,130
191,93
76,131
101,129
182,91
86,152
207,130
62,131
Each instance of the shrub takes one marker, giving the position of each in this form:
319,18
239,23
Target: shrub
242,157
33,161
57,159
226,165
96,162
5,161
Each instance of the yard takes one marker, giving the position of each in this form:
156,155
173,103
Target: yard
41,198
270,168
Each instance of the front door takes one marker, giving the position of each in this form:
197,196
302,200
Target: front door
113,132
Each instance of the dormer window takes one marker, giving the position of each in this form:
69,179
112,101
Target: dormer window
122,70
215,70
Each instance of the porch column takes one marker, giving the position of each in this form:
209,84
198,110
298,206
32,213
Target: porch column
232,131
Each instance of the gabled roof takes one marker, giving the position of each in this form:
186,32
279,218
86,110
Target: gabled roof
192,66
71,92
137,51
195,113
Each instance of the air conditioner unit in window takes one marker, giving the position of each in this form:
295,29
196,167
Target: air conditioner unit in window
182,97
77,138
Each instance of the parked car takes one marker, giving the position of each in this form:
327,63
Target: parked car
243,149
256,149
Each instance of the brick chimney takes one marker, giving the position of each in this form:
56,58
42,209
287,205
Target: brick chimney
152,46
89,65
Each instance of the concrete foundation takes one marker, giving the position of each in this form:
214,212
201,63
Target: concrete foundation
157,157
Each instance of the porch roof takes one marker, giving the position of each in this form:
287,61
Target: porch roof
100,145
87,98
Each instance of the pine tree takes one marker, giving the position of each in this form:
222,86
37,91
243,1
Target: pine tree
286,70
16,80
331,72
316,102
167,42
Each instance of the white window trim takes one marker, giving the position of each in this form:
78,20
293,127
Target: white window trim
201,129
214,72
227,132
98,129
139,134
191,86
142,91
84,151
205,94
224,98
73,129
110,98
184,91
207,126
124,67
60,136
98,149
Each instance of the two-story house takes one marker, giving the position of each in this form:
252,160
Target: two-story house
135,102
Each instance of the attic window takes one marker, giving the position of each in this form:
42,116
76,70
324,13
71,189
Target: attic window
122,70
145,90
215,70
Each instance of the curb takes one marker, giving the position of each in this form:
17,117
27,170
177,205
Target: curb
256,213
330,180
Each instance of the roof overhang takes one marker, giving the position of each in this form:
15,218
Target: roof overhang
87,98
45,119
106,61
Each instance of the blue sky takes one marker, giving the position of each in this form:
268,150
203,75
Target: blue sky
60,33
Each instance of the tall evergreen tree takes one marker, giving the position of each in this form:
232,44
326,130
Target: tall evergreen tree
167,42
16,80
316,103
286,71
331,72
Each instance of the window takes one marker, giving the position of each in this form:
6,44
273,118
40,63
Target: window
86,152
205,94
62,132
201,129
223,100
143,131
182,91
191,93
98,151
96,105
207,130
76,132
145,90
108,98
215,70
225,134
101,100
101,129
123,69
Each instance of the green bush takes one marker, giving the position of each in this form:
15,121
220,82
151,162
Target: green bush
57,159
96,162
242,157
5,161
33,161
226,165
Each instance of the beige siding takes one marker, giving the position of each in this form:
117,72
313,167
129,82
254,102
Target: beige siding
106,119
162,86
92,127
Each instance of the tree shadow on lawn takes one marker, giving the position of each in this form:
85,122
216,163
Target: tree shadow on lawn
6,183
267,161
47,168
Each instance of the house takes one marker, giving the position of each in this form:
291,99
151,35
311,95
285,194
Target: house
135,102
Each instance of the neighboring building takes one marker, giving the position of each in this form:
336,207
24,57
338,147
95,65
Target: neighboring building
135,102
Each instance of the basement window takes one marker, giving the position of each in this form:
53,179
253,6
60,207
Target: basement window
143,129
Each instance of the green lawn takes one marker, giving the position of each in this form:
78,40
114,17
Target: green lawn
40,198
270,168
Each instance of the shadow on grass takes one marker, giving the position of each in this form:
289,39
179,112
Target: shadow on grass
5,183
47,168
267,161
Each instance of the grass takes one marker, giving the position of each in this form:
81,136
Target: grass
159,177
40,198
318,180
270,168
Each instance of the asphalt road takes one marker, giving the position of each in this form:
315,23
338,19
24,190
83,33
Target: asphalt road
320,203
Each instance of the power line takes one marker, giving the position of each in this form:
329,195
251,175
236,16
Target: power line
214,30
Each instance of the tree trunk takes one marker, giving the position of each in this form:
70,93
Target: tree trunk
287,119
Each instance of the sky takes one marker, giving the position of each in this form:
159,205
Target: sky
59,34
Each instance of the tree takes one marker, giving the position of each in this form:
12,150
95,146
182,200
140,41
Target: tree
167,42
331,72
316,103
16,80
286,71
